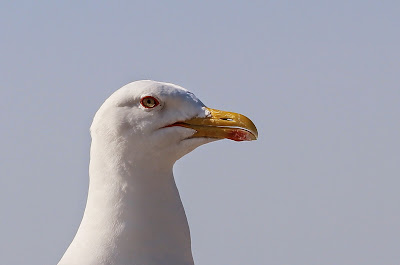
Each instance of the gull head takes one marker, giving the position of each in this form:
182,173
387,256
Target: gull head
163,121
134,214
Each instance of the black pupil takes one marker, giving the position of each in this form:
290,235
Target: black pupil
150,102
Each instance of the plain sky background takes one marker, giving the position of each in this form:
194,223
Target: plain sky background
320,79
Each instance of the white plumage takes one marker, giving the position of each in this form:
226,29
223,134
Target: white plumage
134,215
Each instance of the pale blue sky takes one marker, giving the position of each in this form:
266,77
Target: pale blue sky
320,79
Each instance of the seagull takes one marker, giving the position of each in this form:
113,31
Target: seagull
134,214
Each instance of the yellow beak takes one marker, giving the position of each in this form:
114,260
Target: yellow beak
222,124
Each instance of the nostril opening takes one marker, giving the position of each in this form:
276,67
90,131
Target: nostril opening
227,119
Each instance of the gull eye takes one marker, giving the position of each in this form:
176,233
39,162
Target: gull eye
149,102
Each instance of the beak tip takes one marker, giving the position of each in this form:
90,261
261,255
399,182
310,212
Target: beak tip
254,137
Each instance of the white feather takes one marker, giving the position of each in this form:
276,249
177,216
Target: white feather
134,215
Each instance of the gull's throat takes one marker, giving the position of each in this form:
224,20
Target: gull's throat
134,208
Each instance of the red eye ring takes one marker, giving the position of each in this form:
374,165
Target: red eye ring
149,102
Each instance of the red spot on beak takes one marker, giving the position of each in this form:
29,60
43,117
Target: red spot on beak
239,135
